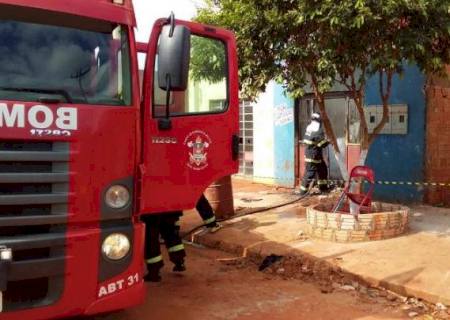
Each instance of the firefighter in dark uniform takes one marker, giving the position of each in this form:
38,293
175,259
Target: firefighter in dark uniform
207,213
165,225
316,167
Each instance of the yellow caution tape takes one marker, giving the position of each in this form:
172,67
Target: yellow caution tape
380,182
402,183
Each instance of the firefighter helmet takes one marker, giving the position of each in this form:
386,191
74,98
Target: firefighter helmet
316,117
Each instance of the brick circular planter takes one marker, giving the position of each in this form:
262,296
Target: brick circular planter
385,221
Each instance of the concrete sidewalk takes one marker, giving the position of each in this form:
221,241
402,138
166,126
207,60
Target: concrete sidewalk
416,264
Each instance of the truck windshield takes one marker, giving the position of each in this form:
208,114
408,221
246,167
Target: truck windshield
49,62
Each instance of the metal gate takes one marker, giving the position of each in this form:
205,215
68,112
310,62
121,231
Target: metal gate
246,134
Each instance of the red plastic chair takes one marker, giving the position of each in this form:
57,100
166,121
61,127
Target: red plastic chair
362,200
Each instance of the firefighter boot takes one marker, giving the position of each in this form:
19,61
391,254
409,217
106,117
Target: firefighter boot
154,265
153,275
179,266
325,191
214,226
299,193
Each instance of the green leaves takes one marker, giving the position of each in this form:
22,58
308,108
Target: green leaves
359,21
207,60
290,39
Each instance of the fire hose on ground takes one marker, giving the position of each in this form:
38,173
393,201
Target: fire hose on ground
335,182
284,204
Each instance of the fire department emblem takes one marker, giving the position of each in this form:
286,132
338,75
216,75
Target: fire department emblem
198,143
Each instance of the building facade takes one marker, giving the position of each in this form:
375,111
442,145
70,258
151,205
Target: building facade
400,156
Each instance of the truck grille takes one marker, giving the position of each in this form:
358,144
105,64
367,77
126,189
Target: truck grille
34,191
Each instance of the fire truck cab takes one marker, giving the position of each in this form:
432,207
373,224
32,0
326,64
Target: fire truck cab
85,150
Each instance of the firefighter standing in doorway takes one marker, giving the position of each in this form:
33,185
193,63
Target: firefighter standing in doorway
316,168
164,225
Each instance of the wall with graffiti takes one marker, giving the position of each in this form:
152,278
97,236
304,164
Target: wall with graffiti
273,137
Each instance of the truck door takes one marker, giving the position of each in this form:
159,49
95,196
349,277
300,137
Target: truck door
194,141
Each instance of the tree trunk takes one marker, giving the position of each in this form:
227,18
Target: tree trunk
363,157
339,156
385,94
340,159
366,138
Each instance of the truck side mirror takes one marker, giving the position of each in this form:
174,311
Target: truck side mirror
174,57
174,53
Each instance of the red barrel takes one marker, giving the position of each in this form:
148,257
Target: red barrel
220,196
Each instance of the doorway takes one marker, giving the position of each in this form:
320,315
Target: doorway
344,120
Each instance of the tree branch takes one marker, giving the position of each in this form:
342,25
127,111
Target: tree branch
325,119
360,106
358,97
385,99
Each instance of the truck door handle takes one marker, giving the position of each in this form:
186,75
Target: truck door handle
235,147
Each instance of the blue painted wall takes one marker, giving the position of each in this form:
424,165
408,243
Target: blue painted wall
400,157
284,136
393,157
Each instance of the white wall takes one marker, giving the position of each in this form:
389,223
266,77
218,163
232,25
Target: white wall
263,136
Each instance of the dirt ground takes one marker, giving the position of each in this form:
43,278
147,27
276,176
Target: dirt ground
218,287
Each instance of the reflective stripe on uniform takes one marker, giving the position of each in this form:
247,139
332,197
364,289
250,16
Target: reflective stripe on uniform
321,143
210,220
322,182
312,160
178,223
154,259
310,142
176,248
303,188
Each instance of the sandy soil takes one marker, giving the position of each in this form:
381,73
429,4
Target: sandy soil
216,286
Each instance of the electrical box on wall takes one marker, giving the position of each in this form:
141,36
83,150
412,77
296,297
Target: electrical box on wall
397,122
399,119
370,113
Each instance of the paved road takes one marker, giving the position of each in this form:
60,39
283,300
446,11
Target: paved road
216,289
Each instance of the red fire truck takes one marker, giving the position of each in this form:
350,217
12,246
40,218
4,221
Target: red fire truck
86,150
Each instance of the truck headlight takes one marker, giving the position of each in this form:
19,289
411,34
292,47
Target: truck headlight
117,197
116,246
